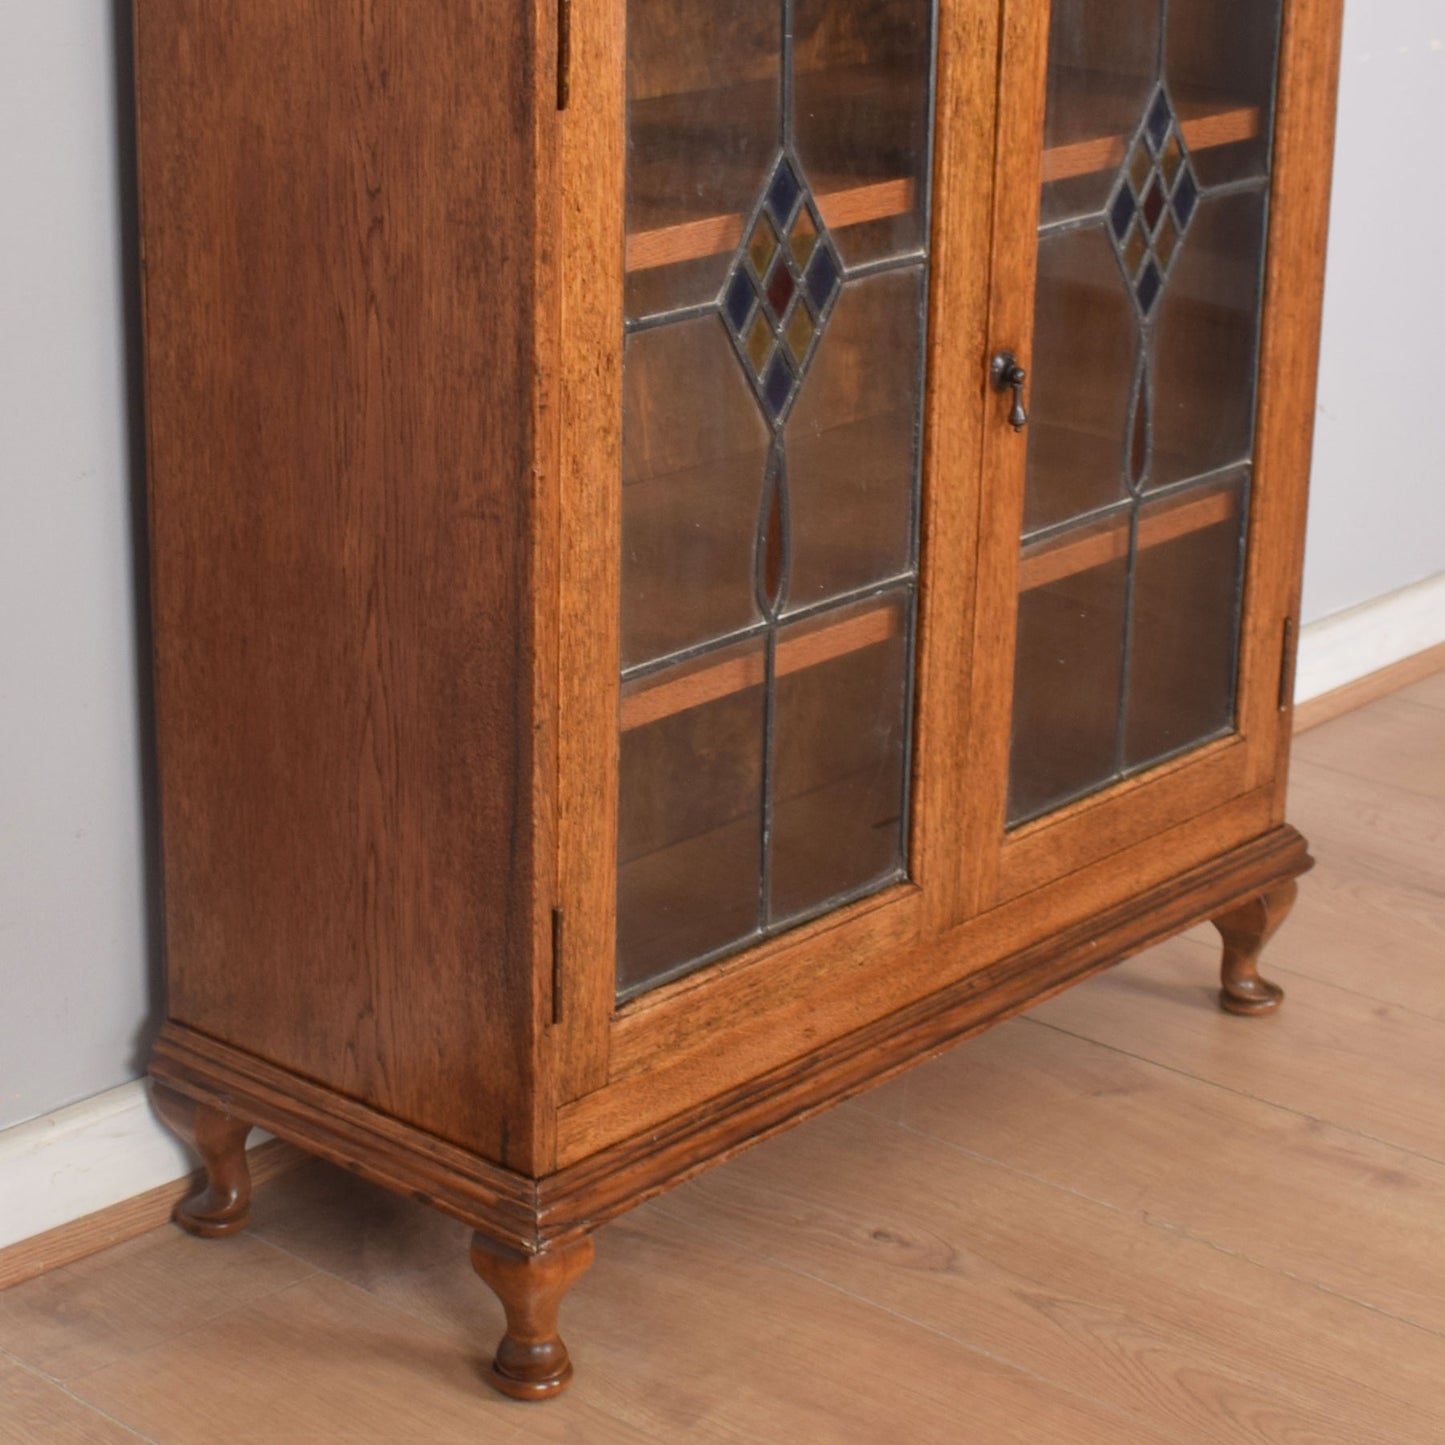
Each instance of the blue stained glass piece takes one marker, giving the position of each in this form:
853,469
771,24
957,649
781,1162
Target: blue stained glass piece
777,384
738,303
782,194
1122,212
1150,284
1159,119
822,278
1186,195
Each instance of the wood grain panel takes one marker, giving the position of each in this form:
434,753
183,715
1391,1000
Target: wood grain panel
1289,362
593,180
339,275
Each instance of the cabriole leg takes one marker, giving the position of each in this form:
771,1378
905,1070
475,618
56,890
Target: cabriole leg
531,1361
223,1205
1245,931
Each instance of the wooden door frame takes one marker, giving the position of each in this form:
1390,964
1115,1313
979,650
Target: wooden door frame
1009,863
594,1041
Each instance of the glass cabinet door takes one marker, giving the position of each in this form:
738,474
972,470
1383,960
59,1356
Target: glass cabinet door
1143,377
776,271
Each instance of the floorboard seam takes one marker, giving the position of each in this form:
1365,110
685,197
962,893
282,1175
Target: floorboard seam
1355,1133
1168,1226
36,1373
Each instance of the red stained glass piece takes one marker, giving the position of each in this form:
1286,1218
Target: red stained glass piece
780,288
1154,204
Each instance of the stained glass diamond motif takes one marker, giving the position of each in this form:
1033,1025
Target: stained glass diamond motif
759,345
781,289
1121,213
1134,251
800,333
802,236
762,245
738,303
1186,195
777,384
1154,204
1161,118
822,279
1154,200
782,193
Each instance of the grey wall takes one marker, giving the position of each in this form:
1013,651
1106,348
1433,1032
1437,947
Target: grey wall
73,947
1377,510
74,955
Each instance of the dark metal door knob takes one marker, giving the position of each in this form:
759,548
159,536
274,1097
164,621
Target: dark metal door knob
1007,375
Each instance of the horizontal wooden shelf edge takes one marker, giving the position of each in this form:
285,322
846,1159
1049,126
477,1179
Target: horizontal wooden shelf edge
667,693
1075,552
1106,153
715,235
878,200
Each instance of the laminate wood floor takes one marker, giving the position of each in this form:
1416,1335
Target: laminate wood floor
1125,1217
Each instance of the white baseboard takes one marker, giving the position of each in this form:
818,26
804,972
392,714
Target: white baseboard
108,1149
99,1152
1350,645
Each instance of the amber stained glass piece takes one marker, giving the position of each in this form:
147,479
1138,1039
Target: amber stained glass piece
1139,167
1135,249
760,343
800,332
1172,158
803,237
762,245
1165,242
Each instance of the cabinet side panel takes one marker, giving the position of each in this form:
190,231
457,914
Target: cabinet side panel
337,215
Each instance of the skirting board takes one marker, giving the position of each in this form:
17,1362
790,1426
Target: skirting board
1344,648
91,1175
57,1172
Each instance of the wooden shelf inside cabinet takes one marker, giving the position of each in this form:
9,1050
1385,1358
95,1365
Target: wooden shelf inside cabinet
681,159
733,669
1207,118
1107,540
666,232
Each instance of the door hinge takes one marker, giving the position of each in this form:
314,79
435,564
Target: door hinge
564,53
556,965
1287,657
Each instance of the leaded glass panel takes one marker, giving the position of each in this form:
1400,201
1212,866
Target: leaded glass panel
1144,373
773,384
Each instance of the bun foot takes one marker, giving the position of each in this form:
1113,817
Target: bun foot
531,1362
1249,997
222,1205
1245,931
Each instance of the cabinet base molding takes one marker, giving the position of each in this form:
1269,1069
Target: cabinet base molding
1246,892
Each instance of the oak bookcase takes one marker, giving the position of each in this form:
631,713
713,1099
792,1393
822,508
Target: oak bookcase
702,552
